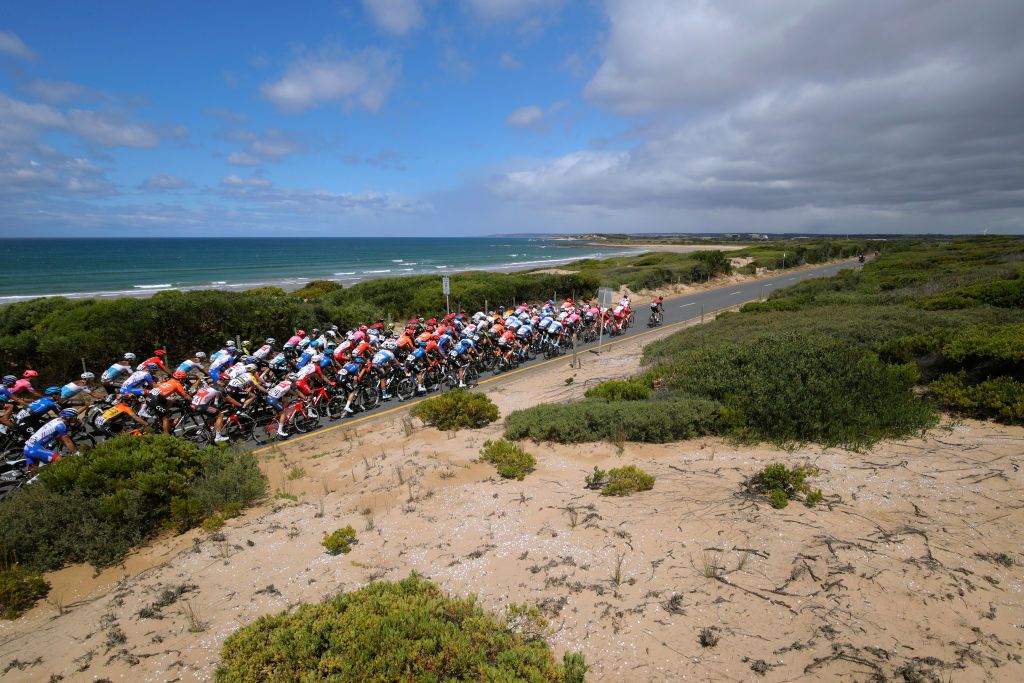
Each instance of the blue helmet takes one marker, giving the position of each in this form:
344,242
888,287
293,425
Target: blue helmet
52,391
9,380
69,413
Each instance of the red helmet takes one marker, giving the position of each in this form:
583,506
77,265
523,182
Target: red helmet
180,374
159,352
363,328
301,333
28,374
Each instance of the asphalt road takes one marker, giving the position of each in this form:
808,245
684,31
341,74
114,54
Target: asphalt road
678,311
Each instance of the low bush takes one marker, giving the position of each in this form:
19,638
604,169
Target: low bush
316,289
96,507
635,389
341,541
653,421
1000,399
511,461
782,485
457,409
20,589
622,481
404,631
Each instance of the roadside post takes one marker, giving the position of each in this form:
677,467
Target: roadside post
604,300
446,288
702,314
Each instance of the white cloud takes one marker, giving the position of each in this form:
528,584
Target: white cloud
493,10
110,131
362,80
60,92
11,44
164,181
243,159
525,117
507,61
397,17
253,181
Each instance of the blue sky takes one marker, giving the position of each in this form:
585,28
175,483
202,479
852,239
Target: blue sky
411,117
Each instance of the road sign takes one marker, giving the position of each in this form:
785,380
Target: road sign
446,285
605,297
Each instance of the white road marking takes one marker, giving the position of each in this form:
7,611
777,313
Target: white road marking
736,292
690,304
791,279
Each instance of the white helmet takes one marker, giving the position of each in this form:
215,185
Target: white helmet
390,345
250,368
129,356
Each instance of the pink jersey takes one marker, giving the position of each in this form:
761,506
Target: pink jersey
294,341
22,386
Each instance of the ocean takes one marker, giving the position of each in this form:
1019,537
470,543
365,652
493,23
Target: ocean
136,267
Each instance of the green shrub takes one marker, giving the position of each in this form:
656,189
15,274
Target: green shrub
596,479
511,461
20,589
1000,399
457,409
102,504
404,631
651,421
635,389
795,388
623,481
340,541
782,485
316,289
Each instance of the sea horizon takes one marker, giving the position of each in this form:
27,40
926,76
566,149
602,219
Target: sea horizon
85,267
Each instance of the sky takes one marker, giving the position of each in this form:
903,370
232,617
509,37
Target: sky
476,117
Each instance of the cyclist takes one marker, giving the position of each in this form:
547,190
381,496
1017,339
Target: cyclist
109,378
460,356
157,359
241,387
263,354
32,415
156,400
7,400
206,403
112,419
220,360
384,363
658,309
24,385
190,365
39,447
278,398
84,386
137,382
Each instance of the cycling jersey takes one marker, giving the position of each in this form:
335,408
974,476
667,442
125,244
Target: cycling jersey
306,372
383,357
262,352
22,386
280,389
363,349
524,332
220,359
114,371
243,380
508,337
304,358
235,370
555,327
114,413
188,366
155,360
206,396
37,447
135,381
293,341
70,390
5,395
41,406
544,323
167,388
443,342
462,347
305,342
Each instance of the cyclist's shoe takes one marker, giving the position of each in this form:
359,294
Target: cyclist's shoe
385,396
421,389
349,411
462,385
281,433
221,438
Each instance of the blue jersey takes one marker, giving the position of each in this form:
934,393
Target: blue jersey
70,390
463,346
41,405
304,358
47,434
5,395
188,366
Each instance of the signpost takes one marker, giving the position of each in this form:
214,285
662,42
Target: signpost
604,300
446,288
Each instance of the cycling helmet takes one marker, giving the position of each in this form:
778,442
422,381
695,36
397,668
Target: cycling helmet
363,328
360,360
180,374
271,340
230,344
87,376
200,354
69,413
301,333
246,343
248,359
223,377
159,352
29,374
52,391
292,376
316,331
314,344
334,328
250,368
390,345
331,346
152,366
129,356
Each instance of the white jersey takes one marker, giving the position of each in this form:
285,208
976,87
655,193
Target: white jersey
115,371
47,433
306,371
263,351
280,389
235,370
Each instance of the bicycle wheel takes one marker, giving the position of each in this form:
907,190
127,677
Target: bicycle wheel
472,376
368,398
196,435
241,427
406,388
336,406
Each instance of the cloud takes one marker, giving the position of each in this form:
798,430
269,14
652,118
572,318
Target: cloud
361,80
11,44
228,115
397,17
493,10
507,61
234,181
110,130
164,181
525,117
243,159
753,113
61,92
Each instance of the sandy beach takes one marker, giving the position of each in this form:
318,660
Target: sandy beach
912,567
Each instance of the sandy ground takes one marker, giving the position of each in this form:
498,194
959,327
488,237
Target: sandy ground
911,570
